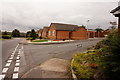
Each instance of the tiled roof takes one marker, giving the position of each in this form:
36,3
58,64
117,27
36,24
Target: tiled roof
116,9
47,28
40,30
65,27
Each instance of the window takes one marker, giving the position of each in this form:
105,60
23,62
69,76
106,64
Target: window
49,33
53,33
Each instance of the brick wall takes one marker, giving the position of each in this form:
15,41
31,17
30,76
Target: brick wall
44,33
52,33
63,34
79,34
91,34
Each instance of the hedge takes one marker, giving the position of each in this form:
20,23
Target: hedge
6,36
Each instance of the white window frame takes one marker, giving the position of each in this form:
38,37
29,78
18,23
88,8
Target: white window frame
53,33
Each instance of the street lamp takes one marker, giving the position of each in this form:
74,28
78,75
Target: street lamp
87,26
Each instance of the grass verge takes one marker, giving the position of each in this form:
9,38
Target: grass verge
40,41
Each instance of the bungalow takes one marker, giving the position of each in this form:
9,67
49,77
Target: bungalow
45,32
66,31
94,34
116,13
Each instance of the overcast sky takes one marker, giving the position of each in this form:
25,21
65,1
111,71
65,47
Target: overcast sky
28,14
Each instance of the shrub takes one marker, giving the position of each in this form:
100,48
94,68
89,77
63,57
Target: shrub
85,64
99,45
29,38
112,61
40,37
6,36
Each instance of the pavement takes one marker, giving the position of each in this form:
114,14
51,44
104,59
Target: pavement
52,68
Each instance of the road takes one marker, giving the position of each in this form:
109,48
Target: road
17,58
34,55
8,47
9,50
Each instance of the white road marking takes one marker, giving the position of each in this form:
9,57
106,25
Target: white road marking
22,47
12,55
18,57
9,61
17,64
2,76
4,70
17,61
16,69
7,64
15,49
15,75
11,58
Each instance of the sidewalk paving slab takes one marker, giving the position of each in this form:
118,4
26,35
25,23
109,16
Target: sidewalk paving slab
52,68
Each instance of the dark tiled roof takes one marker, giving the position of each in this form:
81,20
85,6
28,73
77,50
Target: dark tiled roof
65,27
40,30
47,28
116,9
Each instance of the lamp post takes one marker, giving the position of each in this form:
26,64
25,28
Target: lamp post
87,27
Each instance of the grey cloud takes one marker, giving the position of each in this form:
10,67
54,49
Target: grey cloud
28,15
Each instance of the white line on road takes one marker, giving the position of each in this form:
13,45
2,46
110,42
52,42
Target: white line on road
11,58
15,75
17,61
4,70
12,55
7,64
9,61
15,49
16,69
17,64
2,76
18,57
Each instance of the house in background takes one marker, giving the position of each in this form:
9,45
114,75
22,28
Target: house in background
39,32
66,31
91,33
116,13
45,32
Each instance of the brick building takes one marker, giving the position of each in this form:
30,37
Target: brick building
45,32
93,34
66,31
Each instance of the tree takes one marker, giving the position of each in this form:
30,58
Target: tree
33,34
98,30
83,26
28,34
16,33
5,33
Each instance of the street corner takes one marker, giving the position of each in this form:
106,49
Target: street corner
52,68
